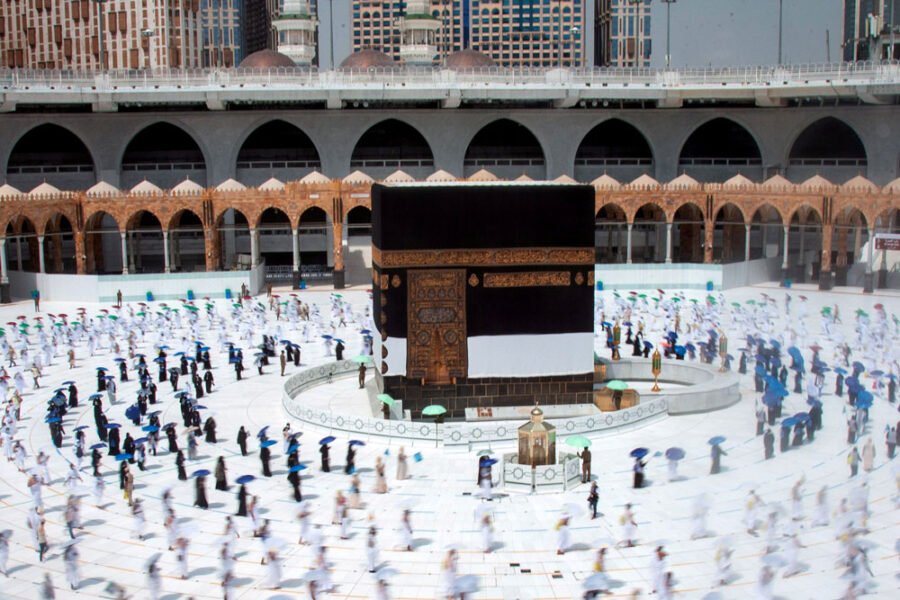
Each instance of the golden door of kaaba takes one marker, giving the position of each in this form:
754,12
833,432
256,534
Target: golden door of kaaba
436,338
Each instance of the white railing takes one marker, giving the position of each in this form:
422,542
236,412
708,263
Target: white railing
870,73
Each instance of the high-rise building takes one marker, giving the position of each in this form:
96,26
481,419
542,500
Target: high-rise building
870,30
47,34
622,33
515,33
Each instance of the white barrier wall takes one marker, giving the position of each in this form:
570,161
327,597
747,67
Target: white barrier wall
686,276
103,288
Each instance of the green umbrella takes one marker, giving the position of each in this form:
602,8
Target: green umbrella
578,441
694,300
861,313
433,410
361,359
677,299
191,307
114,317
485,452
642,295
826,310
617,385
140,314
711,299
74,323
338,295
57,324
236,305
632,299
39,326
736,304
751,302
386,399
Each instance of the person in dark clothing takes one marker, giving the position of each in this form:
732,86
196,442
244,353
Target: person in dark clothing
769,443
339,351
210,429
173,378
113,441
123,371
179,462
798,434
350,467
716,454
128,447
264,456
242,440
208,380
638,473
323,451
184,366
95,462
200,493
221,475
170,435
102,431
242,501
73,396
294,478
785,439
238,367
123,471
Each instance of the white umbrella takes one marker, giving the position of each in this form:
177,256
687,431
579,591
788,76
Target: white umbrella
467,584
315,575
774,560
596,583
385,573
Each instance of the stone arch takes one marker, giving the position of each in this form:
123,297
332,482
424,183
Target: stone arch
23,251
610,233
187,247
805,243
688,231
729,234
389,145
648,233
102,243
616,147
275,148
233,230
829,147
849,227
508,149
52,153
766,228
719,149
273,226
316,241
144,242
59,244
165,153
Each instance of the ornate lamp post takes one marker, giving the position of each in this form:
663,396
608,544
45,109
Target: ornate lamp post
656,369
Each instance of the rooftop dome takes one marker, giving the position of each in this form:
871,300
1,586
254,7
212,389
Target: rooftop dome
266,59
366,59
468,59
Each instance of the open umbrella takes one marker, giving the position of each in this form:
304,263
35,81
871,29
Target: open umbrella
578,441
245,479
262,432
98,446
617,385
297,468
200,473
639,452
268,443
293,448
716,440
80,427
485,452
675,453
433,410
386,399
123,456
361,359
356,443
327,440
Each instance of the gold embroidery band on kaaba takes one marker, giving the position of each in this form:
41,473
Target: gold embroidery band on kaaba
480,257
527,279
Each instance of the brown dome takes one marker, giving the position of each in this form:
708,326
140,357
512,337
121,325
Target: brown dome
468,59
366,59
266,59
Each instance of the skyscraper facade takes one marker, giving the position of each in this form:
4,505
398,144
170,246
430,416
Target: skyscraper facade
622,33
870,30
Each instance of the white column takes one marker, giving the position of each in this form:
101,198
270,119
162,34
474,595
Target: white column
254,248
124,253
628,245
40,254
19,252
668,243
870,251
784,264
295,241
4,278
747,243
165,251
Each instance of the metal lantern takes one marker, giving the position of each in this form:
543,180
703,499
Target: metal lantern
656,369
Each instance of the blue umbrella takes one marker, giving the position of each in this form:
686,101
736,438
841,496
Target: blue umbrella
858,366
864,399
327,440
789,422
268,443
163,347
606,324
119,359
802,417
245,479
262,432
716,440
365,331
490,462
674,453
60,390
639,452
286,342
53,420
178,354
98,446
876,374
80,427
102,369
159,359
813,402
690,347
761,370
840,370
200,473
123,457
648,345
155,413
141,440
69,382
293,448
199,407
150,428
112,425
204,348
297,468
326,337
141,355
356,443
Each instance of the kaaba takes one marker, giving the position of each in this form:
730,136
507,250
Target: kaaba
483,294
